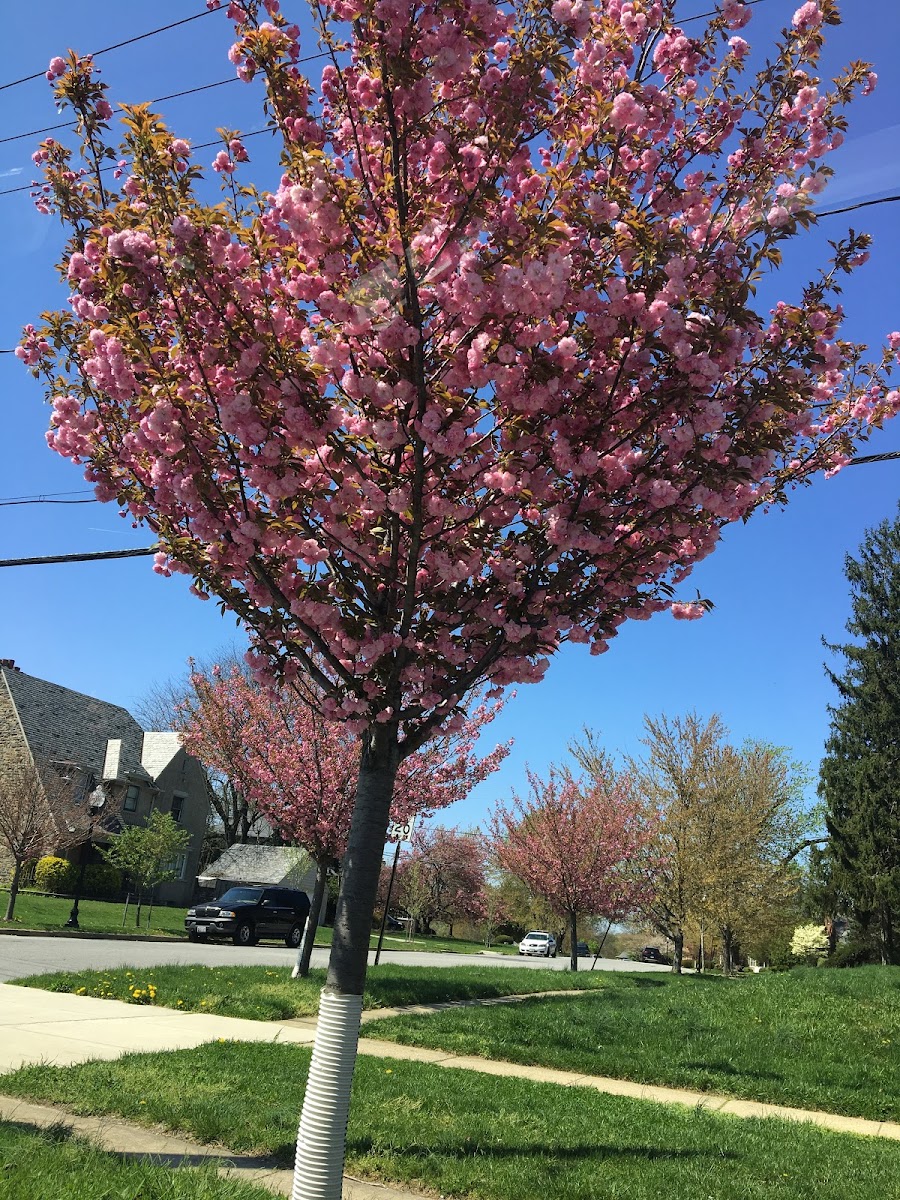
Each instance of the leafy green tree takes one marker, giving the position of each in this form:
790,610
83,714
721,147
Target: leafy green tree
147,853
861,767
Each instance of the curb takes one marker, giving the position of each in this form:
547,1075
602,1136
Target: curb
179,941
92,937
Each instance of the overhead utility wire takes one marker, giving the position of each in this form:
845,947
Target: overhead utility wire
204,87
713,13
92,556
43,500
28,187
98,555
872,458
116,46
44,495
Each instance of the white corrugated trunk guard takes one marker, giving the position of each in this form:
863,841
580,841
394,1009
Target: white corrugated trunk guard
321,1138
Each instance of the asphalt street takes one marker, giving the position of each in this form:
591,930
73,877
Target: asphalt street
22,955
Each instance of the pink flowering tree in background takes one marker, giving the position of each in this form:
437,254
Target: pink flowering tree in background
300,772
442,877
579,845
483,375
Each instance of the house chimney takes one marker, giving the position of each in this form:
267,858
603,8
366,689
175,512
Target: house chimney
10,663
112,763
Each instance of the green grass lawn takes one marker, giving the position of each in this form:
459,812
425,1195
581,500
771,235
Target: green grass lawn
53,1163
464,1134
269,994
36,911
821,1039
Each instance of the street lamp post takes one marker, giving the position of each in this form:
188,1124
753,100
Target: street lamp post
96,802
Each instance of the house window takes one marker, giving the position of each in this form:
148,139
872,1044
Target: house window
177,865
131,798
178,806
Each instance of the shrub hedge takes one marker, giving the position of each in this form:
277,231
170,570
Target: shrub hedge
59,877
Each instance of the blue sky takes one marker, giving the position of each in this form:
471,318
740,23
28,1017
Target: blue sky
114,629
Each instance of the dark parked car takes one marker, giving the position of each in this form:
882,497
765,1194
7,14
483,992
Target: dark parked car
246,914
651,954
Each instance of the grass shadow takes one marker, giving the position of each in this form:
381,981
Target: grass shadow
578,1153
730,1070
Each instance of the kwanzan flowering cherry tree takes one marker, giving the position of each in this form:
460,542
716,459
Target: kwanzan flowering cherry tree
301,772
483,375
581,845
442,876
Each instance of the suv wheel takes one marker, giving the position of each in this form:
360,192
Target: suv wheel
244,935
294,936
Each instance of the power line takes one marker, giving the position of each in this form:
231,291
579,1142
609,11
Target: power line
116,46
28,187
713,13
204,87
43,495
833,212
871,458
92,556
42,500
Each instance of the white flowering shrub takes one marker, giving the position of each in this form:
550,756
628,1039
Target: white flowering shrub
809,941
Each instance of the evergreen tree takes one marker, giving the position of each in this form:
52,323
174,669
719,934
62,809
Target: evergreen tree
860,776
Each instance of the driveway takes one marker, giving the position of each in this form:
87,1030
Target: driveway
36,956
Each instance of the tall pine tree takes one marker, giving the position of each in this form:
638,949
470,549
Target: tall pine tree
860,775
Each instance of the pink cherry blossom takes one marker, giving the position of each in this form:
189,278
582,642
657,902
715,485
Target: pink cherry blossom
808,16
483,371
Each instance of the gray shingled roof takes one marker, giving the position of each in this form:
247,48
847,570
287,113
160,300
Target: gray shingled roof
259,864
66,726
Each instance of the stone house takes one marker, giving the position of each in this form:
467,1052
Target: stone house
93,743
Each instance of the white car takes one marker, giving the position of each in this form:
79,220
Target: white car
541,945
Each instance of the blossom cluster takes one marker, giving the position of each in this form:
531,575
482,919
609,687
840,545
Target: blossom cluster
483,374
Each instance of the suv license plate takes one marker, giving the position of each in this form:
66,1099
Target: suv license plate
201,929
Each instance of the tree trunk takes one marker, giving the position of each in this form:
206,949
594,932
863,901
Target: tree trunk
678,951
727,950
831,931
13,890
304,954
573,940
321,1138
137,912
888,947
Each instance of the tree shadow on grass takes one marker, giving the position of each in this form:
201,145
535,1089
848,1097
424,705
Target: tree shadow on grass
61,1132
589,1151
730,1070
57,1133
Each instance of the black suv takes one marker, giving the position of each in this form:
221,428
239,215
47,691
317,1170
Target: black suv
652,954
246,914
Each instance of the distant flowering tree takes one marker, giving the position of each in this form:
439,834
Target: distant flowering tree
483,375
300,772
579,845
442,877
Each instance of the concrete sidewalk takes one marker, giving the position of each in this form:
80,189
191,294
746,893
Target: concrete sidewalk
163,1149
61,1028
